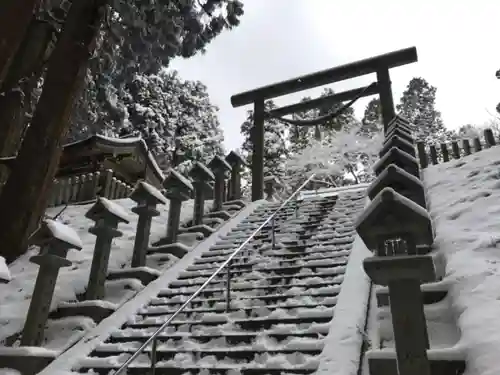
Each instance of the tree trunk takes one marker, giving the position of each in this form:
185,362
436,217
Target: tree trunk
27,64
15,17
25,194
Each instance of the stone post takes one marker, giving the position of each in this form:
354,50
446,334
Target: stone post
106,215
390,217
54,239
237,163
146,197
434,155
444,151
489,139
201,177
477,144
466,146
178,189
455,150
422,155
219,167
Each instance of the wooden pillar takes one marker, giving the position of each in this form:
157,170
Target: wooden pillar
385,93
258,151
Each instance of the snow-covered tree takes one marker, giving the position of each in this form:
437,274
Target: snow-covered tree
301,136
345,158
142,37
372,118
275,147
418,105
175,117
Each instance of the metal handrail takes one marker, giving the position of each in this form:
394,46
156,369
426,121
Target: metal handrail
152,338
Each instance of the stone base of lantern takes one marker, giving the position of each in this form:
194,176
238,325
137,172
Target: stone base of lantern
236,202
177,249
205,229
431,293
27,360
442,362
97,310
145,275
224,215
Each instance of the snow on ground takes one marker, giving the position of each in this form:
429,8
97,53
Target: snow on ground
464,198
72,281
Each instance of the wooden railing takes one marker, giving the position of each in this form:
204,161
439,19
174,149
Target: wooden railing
446,151
86,187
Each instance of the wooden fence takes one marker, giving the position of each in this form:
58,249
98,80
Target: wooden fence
86,187
444,152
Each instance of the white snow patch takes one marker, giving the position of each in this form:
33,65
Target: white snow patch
464,199
4,270
64,233
343,343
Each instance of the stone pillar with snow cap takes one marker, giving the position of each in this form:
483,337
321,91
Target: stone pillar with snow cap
201,176
401,181
390,215
399,122
401,133
394,226
178,189
219,167
54,239
401,143
400,158
237,163
146,197
106,215
271,184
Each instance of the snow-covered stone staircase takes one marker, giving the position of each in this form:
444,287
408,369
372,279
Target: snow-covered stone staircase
282,299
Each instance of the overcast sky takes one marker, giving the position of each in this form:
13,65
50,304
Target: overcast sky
458,45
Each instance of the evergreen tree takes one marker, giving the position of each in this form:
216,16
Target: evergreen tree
275,147
302,136
372,118
175,117
418,105
142,38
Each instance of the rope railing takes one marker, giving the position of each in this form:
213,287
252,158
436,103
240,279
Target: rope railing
153,338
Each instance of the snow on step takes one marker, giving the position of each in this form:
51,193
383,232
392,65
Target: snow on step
282,300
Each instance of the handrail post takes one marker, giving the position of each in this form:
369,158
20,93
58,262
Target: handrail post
273,235
228,288
154,348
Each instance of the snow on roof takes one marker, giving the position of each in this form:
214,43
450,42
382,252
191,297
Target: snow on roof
132,141
115,209
64,233
153,191
464,197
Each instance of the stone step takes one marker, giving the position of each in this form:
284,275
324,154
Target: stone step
335,271
221,308
292,256
317,298
288,267
235,288
130,334
144,368
254,324
164,354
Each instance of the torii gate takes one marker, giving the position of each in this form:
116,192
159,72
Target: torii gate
378,64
